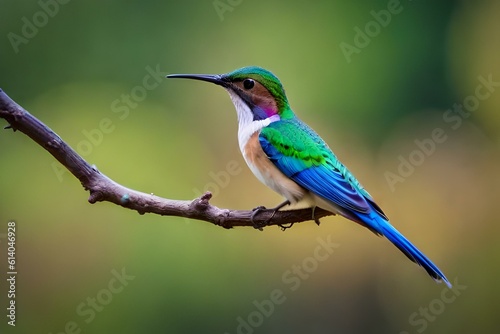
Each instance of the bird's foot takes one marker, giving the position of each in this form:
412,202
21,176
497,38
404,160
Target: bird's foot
256,225
285,227
261,225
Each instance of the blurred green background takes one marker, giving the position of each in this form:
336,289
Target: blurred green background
177,138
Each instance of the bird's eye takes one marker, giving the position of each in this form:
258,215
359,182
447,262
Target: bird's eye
248,83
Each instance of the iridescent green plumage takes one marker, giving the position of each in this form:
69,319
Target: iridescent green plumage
297,145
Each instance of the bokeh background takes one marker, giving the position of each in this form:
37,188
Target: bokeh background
178,139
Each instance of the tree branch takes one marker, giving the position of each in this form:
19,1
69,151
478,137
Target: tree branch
102,188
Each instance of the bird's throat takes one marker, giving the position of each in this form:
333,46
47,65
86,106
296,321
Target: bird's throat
247,126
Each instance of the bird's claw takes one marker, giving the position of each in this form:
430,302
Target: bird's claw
316,220
256,225
284,228
260,226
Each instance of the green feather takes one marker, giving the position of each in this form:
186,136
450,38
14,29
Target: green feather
292,143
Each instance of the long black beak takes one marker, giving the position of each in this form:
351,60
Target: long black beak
216,79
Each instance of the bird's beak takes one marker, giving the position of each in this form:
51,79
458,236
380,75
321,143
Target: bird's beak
216,79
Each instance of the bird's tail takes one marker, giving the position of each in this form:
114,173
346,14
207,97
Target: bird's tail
382,226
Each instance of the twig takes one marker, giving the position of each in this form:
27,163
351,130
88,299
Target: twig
102,188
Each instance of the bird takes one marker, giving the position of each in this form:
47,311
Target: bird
289,157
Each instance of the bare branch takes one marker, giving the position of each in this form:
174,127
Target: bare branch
102,188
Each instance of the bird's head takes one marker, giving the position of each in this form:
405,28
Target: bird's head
255,92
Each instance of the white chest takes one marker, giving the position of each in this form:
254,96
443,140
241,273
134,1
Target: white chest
246,124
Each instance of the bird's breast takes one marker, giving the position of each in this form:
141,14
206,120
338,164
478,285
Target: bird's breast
268,173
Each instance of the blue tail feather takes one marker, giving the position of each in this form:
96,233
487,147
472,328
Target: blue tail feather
383,227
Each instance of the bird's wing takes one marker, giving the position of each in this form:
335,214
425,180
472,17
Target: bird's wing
299,153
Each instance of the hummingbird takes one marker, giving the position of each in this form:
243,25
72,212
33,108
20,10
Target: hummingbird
289,157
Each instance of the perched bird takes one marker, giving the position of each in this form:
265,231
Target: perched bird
289,157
